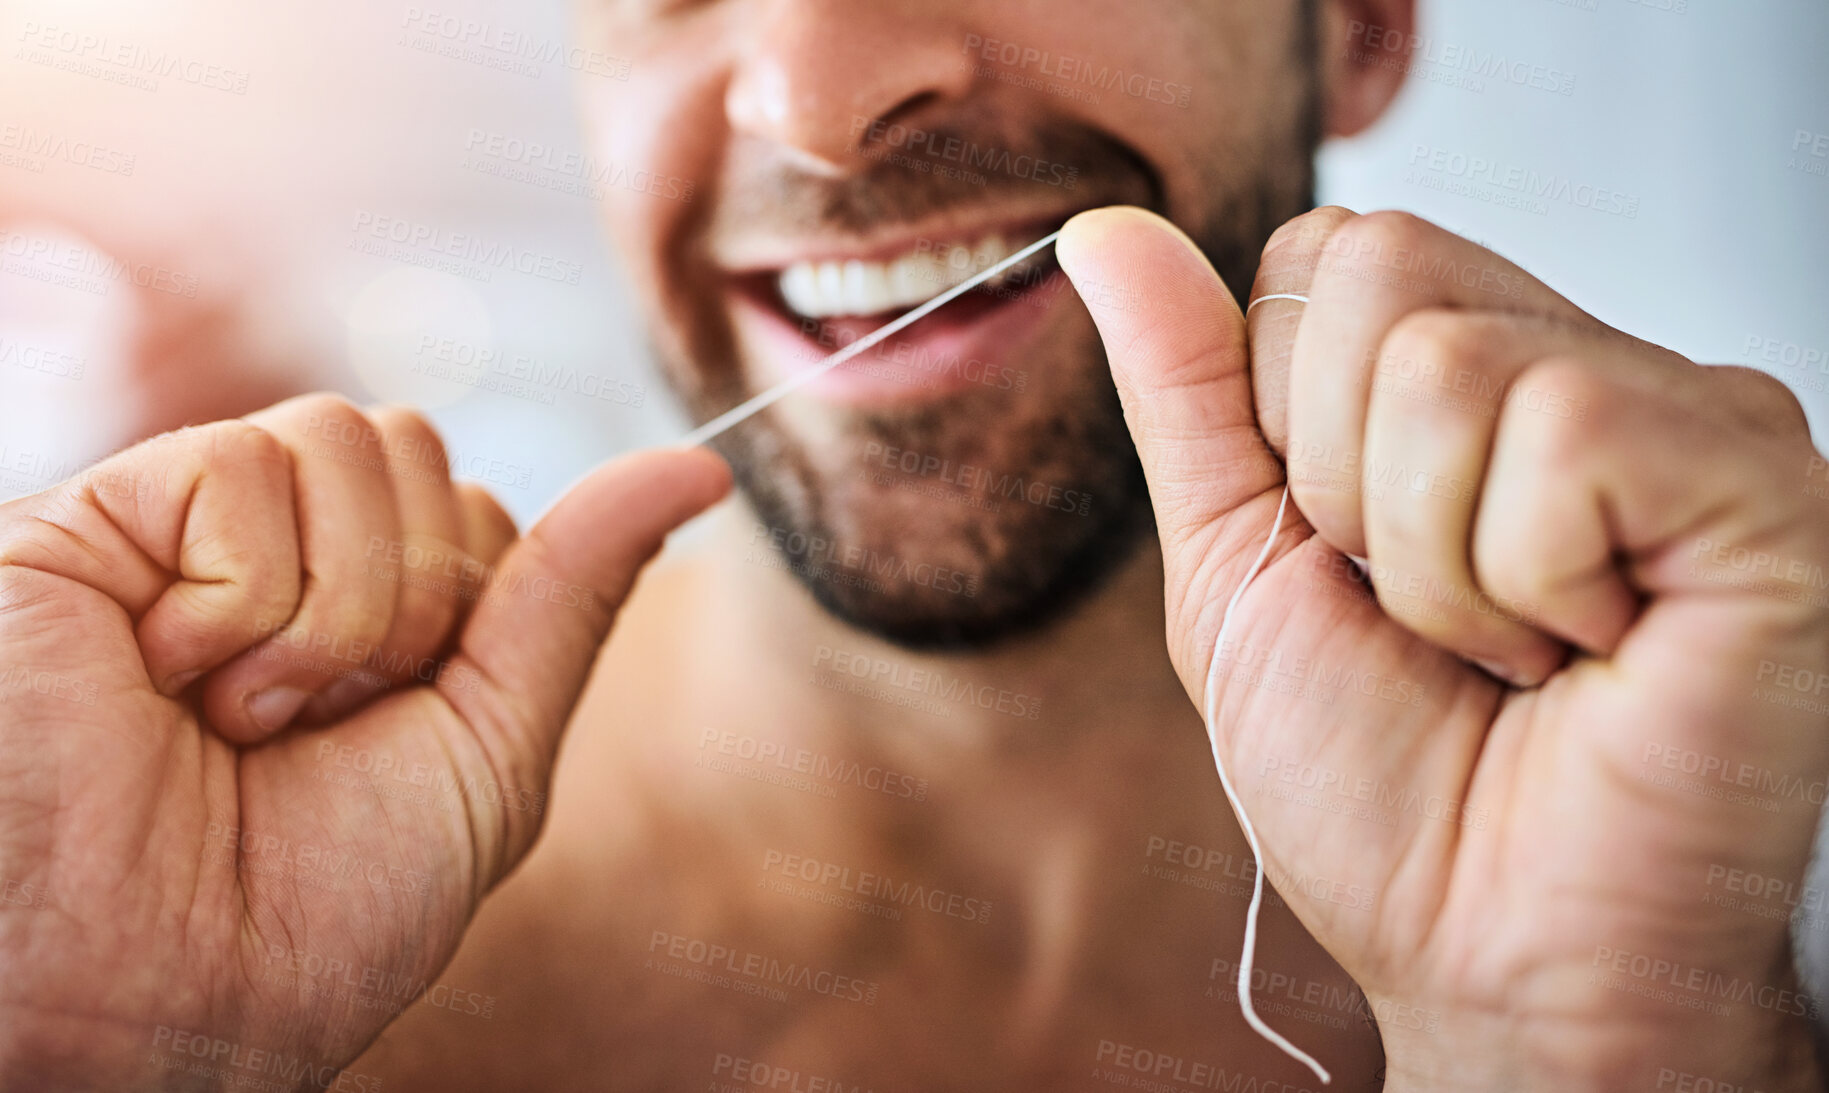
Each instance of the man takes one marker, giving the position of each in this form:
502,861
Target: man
885,783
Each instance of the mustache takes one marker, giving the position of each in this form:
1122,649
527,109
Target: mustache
918,172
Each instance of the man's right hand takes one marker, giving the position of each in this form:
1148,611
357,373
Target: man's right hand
276,695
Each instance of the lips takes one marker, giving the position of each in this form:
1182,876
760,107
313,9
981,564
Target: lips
794,312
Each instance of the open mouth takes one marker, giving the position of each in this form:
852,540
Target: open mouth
795,312
858,288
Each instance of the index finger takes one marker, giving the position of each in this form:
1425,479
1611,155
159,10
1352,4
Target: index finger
1368,272
1287,268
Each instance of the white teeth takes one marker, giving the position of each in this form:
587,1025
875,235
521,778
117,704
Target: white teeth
821,290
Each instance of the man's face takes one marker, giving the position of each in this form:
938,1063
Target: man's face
797,172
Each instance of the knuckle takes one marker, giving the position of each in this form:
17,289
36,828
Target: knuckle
330,417
248,445
409,432
1769,403
1585,406
1379,233
1430,347
1436,334
1302,237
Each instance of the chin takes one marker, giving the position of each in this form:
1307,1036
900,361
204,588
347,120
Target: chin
959,523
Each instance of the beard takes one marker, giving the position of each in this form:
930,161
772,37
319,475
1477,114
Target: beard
1001,527
985,515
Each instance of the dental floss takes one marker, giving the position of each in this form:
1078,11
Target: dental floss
747,409
1210,708
744,411
1211,711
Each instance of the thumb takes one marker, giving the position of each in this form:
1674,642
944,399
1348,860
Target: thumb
547,607
1176,343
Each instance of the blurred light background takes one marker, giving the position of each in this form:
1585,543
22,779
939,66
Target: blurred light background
234,187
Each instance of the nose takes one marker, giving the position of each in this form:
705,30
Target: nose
816,73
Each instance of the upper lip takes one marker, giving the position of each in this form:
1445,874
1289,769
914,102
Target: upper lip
769,254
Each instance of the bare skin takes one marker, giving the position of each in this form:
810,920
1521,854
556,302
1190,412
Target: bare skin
188,742
1092,938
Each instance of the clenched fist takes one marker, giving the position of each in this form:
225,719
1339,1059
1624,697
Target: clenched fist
1505,770
276,691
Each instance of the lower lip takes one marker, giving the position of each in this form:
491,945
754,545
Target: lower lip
973,343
